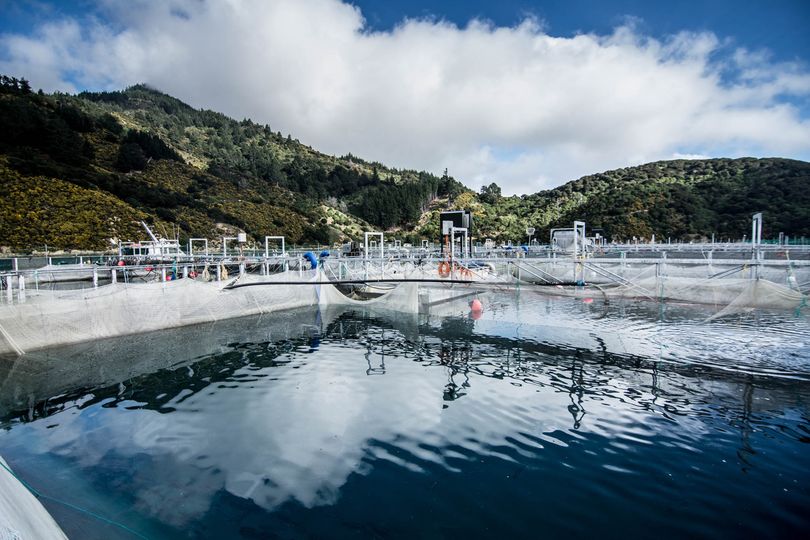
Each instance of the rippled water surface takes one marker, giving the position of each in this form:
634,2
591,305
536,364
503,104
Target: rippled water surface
544,417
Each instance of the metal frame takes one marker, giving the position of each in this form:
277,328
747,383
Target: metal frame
366,244
225,245
191,245
465,249
267,245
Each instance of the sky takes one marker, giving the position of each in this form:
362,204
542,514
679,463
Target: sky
528,94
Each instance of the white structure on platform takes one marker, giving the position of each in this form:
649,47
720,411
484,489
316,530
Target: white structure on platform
369,244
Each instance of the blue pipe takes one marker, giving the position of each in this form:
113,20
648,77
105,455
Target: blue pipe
312,260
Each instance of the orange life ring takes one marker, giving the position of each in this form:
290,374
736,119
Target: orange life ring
444,269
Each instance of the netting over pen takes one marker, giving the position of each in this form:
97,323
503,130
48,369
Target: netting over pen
38,319
733,289
403,297
46,318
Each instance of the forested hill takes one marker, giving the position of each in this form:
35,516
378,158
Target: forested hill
77,171
681,199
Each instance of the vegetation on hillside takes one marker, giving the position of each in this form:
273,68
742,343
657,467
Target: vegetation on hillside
681,199
78,171
221,176
233,150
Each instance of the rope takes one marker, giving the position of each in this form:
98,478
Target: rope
11,341
39,495
800,306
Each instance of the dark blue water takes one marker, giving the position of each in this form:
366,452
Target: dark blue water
545,417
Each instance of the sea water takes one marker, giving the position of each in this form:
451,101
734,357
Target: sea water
539,417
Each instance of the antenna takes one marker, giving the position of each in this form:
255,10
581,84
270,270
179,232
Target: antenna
149,231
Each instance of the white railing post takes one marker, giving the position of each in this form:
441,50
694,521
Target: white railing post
756,239
21,285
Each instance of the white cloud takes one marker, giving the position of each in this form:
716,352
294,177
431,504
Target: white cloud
513,105
678,155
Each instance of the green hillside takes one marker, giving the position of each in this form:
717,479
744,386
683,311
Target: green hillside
162,161
78,171
681,199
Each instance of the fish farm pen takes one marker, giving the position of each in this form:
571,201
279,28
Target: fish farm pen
154,285
386,390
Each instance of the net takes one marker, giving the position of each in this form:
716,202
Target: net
43,318
37,319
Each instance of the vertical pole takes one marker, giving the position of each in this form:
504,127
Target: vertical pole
219,273
9,291
163,274
113,276
21,285
576,250
14,264
756,239
185,272
95,277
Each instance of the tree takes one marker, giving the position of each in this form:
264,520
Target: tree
130,157
490,194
